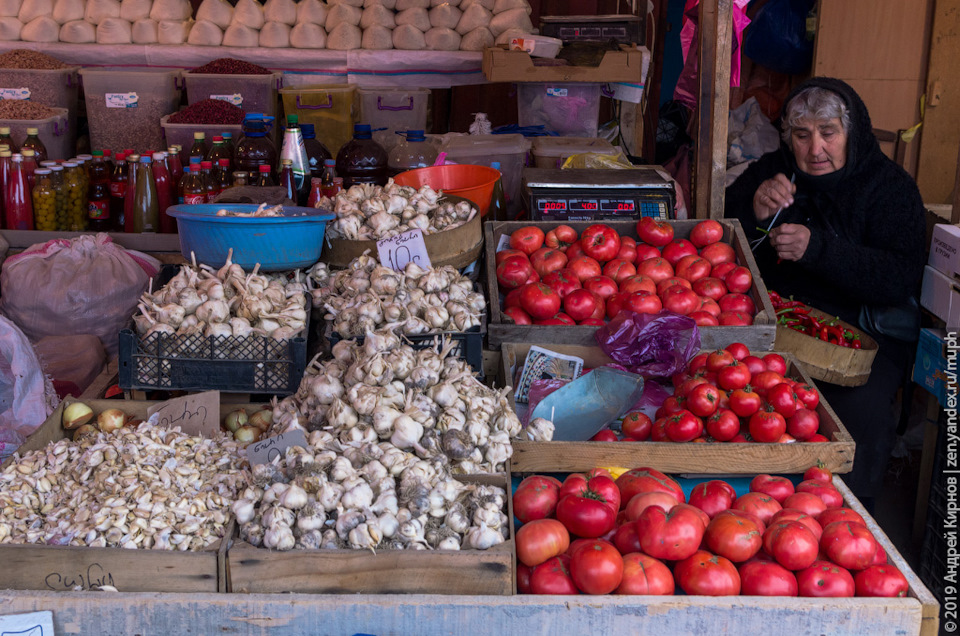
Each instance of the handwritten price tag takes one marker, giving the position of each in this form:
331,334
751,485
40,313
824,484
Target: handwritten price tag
266,450
397,251
197,414
32,624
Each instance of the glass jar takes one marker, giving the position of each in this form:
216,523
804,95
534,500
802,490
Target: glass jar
56,177
44,201
76,193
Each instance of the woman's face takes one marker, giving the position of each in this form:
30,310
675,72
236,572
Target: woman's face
820,147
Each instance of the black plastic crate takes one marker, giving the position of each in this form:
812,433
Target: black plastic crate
252,364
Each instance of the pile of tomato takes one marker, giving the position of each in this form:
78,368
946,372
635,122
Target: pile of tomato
560,278
729,395
638,534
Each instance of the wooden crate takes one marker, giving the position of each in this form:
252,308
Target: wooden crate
759,336
465,572
64,568
669,457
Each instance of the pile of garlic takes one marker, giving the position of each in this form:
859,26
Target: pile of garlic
226,302
366,495
367,296
143,487
367,212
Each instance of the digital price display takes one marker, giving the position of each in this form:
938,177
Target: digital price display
587,206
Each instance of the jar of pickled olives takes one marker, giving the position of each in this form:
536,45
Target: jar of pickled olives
60,193
76,192
44,201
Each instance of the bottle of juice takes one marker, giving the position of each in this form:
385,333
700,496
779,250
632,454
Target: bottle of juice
174,164
288,179
295,152
223,175
29,165
6,139
17,203
228,141
118,188
316,192
219,151
44,201
264,178
193,191
6,162
133,160
199,147
362,160
209,182
98,195
317,153
161,178
146,210
33,141
255,148
328,181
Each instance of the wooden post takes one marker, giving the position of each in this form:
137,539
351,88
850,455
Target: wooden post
715,41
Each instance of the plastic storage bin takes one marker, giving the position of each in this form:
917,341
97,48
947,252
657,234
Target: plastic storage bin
257,93
510,150
124,107
329,108
183,133
395,109
566,109
57,88
551,152
55,132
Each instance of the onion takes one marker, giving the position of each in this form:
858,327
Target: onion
235,419
261,419
76,415
84,430
247,434
111,420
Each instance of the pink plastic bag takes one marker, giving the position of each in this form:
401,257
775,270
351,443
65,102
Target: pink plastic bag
651,345
686,90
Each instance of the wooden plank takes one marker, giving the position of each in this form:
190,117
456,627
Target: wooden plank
758,337
710,162
100,384
719,458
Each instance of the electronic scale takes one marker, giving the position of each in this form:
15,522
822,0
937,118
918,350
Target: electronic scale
552,194
624,28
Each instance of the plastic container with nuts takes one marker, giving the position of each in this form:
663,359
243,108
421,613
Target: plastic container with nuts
44,201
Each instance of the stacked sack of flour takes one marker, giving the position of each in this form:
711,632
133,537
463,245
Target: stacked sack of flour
413,25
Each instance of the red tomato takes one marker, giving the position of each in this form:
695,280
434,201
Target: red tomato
710,287
561,236
560,319
745,515
667,283
737,303
718,253
703,400
540,301
848,544
527,239
739,350
720,270
880,558
808,395
683,426
641,501
704,319
824,579
763,506
677,249
777,487
723,425
711,307
766,578
775,362
803,424
562,281
765,380
574,484
615,304
734,376
628,249
518,315
535,498
806,502
638,480
546,260
656,269
619,269
739,280
735,538
654,231
514,271
603,484
745,402
637,425
602,286
706,574
626,539
512,299
642,302
735,319
645,252
840,514
827,492
719,359
637,283
596,568
553,577
792,544
783,400
584,267
600,242
573,250
502,255
706,232
881,580
643,575
523,578
767,426
680,300
606,435
585,516
692,268
540,540
581,304
713,497
754,364
670,535
818,473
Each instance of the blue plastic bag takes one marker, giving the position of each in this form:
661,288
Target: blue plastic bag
777,37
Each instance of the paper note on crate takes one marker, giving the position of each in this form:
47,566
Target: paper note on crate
543,364
396,252
266,450
197,414
31,624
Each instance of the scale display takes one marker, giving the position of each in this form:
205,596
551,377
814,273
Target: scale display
586,195
587,206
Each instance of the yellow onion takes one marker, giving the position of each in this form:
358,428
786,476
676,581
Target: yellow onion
262,419
76,414
247,434
111,420
84,430
235,420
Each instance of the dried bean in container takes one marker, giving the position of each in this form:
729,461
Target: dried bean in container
137,128
25,58
230,66
22,109
209,111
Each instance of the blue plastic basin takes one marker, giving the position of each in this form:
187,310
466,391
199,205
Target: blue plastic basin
291,241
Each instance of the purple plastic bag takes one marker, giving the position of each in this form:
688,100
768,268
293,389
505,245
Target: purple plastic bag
651,345
540,389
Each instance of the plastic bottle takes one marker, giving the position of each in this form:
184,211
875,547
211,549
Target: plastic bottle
33,141
174,163
98,195
193,190
199,147
29,165
6,162
210,183
219,151
317,153
255,148
118,188
288,179
316,192
328,180
229,143
131,193
264,178
411,153
60,190
498,204
241,178
161,178
146,209
5,138
294,151
44,201
17,205
362,160
108,159
223,175
83,163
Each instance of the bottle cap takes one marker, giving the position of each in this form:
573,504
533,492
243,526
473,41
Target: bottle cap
107,152
194,160
308,131
133,157
173,150
5,153
206,165
121,156
217,138
69,164
85,157
415,135
227,135
362,131
17,157
97,153
28,152
56,168
4,147
158,156
293,120
264,168
329,162
33,131
223,163
42,171
49,163
178,148
240,174
4,130
144,159
286,162
199,135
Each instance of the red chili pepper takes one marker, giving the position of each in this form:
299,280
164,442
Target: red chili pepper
837,331
856,343
825,333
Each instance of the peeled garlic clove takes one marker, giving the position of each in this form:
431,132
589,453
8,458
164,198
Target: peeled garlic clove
111,420
76,415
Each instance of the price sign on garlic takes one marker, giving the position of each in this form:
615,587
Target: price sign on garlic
197,414
266,450
398,251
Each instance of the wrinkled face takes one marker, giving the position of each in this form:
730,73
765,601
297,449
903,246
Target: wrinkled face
820,147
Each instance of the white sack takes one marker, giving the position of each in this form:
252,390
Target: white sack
69,10
284,11
342,14
10,8
506,5
473,17
307,35
144,31
239,35
511,19
377,38
311,12
509,34
10,29
173,31
477,40
417,17
445,16
43,29
403,5
78,32
114,31
219,12
387,4
33,9
248,13
205,33
350,3
408,38
27,397
275,35
486,4
440,39
133,10
377,16
170,11
344,36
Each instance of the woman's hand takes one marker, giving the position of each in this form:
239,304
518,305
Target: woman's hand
790,240
772,195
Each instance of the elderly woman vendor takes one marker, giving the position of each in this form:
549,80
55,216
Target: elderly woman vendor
846,235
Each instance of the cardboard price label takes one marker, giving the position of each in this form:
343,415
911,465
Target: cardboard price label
14,93
121,100
397,251
197,414
30,624
266,450
236,99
